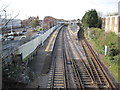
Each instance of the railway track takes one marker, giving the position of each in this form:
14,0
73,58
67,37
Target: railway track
57,73
72,76
80,68
94,66
70,70
100,75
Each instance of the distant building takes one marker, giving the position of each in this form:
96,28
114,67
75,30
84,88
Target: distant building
11,22
119,7
112,24
15,23
48,22
27,22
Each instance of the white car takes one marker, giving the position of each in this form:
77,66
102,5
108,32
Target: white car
9,34
22,37
10,37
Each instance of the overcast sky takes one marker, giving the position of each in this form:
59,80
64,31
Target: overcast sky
61,9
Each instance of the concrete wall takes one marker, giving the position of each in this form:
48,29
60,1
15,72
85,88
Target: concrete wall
112,24
27,48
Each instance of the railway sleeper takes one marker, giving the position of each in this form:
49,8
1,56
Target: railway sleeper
102,78
85,80
85,77
104,84
59,73
59,87
87,84
58,78
62,73
59,68
58,82
84,74
88,87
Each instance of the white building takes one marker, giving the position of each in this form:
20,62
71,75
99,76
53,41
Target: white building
14,23
112,24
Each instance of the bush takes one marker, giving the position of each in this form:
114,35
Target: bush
113,52
102,38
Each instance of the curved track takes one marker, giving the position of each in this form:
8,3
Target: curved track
76,65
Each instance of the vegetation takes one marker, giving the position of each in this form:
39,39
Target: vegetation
99,39
34,23
91,19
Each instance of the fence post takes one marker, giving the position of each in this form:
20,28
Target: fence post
106,50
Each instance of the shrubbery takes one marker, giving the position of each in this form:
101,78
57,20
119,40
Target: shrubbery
102,38
91,19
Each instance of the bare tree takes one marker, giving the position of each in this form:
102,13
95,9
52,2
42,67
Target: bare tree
4,17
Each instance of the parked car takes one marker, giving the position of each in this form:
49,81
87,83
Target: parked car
16,34
21,33
10,37
10,34
22,37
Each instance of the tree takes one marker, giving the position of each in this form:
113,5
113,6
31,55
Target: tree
99,24
34,23
90,19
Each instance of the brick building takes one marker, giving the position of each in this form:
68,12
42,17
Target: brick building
48,22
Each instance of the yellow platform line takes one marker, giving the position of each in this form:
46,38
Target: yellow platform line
71,32
51,39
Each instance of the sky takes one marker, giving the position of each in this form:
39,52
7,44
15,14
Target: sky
60,9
